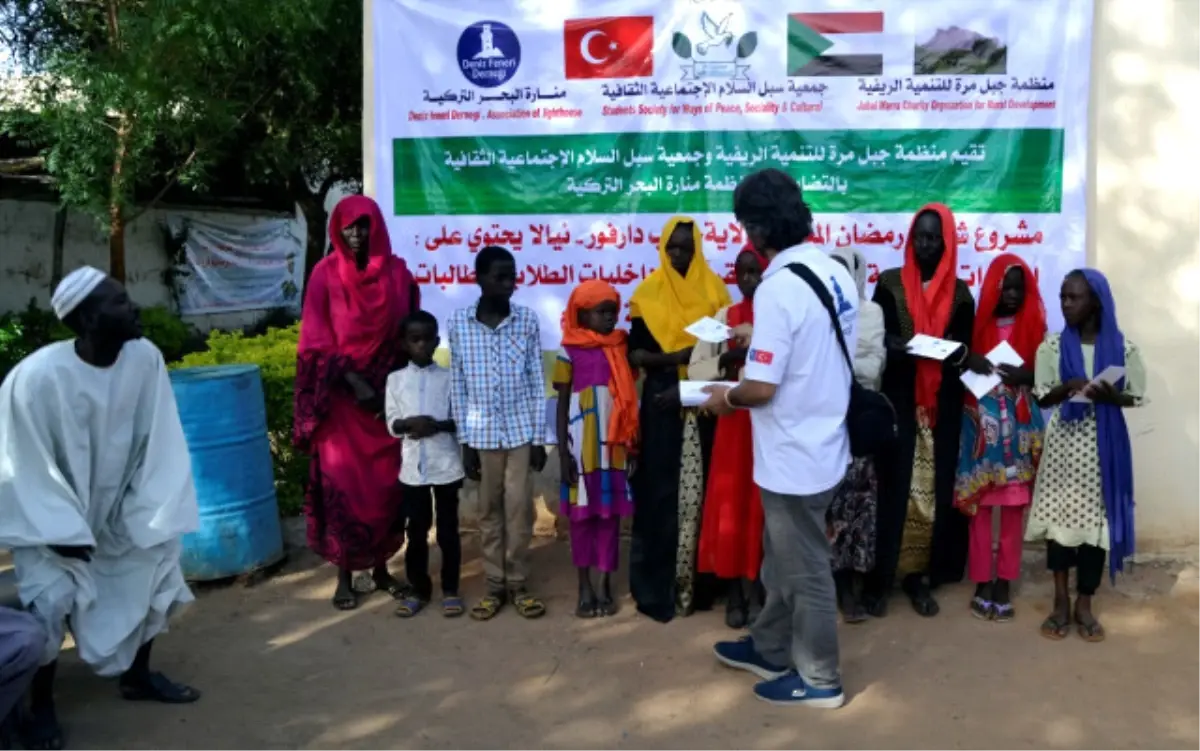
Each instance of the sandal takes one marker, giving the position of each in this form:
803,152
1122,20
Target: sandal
1003,612
487,608
345,600
395,589
410,605
981,608
157,687
918,591
1090,631
1055,628
527,605
452,606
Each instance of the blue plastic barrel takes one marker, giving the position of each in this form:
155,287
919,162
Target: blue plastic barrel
225,423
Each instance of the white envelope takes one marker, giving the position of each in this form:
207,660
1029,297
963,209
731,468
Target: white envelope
930,347
1111,374
691,393
710,330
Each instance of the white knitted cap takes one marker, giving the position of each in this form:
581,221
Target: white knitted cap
74,289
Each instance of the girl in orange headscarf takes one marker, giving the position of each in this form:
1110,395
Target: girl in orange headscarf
919,535
597,430
1001,435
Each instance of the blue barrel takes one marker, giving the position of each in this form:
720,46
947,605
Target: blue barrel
225,423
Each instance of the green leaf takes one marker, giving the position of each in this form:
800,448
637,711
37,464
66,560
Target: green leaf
682,45
747,44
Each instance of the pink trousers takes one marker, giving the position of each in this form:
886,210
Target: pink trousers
1008,557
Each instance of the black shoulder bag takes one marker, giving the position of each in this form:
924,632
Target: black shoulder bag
870,419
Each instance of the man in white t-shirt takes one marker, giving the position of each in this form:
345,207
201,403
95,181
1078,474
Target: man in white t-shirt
797,387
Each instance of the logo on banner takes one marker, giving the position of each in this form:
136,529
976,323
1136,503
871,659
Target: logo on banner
615,47
489,54
811,35
717,53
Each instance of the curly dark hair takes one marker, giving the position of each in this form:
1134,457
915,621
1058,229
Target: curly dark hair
490,256
770,205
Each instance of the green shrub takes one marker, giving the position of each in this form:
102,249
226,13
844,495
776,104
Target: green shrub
167,330
274,353
23,333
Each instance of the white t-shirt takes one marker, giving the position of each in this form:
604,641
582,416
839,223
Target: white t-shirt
424,392
800,442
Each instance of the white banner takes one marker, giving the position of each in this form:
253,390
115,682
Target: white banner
255,266
570,133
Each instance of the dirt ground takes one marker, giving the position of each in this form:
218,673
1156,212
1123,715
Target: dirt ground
281,669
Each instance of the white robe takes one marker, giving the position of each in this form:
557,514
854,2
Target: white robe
96,456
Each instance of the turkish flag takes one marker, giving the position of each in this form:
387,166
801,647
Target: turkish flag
613,47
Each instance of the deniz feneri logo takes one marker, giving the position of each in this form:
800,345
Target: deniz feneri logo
489,54
714,54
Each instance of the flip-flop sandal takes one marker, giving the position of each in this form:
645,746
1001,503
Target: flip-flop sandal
1055,629
409,606
157,687
345,601
1003,612
1090,632
981,608
528,606
452,606
487,608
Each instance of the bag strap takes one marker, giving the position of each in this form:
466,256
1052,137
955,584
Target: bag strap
818,288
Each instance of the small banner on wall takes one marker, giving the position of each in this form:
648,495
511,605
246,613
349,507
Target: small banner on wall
227,268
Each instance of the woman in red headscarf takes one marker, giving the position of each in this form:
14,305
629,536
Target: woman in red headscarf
1001,434
731,530
919,535
349,342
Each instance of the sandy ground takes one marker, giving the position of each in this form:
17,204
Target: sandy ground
282,669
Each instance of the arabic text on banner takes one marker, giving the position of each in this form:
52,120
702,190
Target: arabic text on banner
571,136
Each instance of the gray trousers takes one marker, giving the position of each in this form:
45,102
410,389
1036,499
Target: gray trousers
798,623
22,643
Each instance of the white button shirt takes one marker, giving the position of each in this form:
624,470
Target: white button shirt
424,392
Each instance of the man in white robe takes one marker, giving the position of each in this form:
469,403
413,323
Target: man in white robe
95,492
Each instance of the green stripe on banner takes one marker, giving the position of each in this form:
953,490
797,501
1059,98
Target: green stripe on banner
986,171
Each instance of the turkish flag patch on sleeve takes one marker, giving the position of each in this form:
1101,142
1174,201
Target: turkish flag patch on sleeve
613,47
761,357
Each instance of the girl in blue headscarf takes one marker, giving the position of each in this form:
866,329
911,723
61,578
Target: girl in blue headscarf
1083,497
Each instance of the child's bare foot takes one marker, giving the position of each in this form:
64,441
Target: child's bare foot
1090,629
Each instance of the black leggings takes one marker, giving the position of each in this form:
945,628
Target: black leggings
1088,560
419,504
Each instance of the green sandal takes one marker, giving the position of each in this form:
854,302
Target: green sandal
527,605
487,608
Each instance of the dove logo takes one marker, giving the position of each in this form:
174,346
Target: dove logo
717,49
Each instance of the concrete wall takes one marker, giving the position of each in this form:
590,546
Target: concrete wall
1143,230
26,242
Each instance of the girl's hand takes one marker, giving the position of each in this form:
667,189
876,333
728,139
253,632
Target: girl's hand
1103,393
977,363
1015,376
421,427
742,333
568,470
1075,385
895,344
683,356
637,358
731,359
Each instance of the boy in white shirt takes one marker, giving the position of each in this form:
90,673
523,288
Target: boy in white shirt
431,469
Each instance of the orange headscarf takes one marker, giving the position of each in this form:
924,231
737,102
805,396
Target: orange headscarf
931,306
623,422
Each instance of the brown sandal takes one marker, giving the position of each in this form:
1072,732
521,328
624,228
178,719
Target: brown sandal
487,608
1091,632
1054,628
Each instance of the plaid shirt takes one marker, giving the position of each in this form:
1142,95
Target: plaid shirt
498,392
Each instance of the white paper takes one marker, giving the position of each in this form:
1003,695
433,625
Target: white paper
930,347
691,393
982,385
710,330
1111,374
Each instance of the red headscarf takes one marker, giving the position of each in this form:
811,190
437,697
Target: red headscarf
743,311
1029,323
623,422
366,295
931,306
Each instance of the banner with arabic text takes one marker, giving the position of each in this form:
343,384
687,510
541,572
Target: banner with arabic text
253,265
571,133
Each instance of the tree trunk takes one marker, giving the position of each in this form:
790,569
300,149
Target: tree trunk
315,219
116,205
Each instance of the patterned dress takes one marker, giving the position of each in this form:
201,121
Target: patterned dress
1068,498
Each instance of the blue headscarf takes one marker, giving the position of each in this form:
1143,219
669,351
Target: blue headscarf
1116,456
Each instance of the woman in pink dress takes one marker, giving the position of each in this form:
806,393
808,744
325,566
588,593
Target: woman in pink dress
349,342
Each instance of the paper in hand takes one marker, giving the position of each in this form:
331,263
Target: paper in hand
1111,374
710,330
930,347
982,385
691,393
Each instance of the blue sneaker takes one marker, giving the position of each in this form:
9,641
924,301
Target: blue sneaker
791,689
741,654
